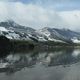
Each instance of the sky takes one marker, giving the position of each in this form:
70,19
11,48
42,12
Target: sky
42,13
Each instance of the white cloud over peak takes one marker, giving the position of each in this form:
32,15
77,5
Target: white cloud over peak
37,17
72,18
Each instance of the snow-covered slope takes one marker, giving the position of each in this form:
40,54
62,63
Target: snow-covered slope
59,35
3,29
16,31
75,40
12,30
11,34
50,34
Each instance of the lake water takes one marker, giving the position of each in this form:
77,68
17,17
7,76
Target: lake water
61,64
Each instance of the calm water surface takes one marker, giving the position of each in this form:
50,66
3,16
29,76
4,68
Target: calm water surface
63,64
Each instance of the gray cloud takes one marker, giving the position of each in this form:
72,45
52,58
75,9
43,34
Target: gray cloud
38,17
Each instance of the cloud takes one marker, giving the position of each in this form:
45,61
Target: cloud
30,15
72,18
38,17
54,4
10,0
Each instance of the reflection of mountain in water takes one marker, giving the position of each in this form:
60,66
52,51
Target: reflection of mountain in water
15,62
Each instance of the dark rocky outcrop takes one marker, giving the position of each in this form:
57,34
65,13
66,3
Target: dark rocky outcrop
5,44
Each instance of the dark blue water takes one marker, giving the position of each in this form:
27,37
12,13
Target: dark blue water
61,64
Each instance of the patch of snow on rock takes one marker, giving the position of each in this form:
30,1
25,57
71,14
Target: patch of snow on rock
3,29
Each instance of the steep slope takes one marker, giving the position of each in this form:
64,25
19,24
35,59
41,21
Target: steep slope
19,32
12,30
11,25
59,34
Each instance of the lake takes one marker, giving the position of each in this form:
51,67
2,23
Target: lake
56,64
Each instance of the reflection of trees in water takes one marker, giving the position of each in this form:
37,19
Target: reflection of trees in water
65,58
16,62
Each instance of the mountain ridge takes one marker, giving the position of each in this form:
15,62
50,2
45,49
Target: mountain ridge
19,32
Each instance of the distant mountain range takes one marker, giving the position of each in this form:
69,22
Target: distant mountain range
14,31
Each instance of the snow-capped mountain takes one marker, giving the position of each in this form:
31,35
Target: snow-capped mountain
60,35
15,31
11,25
12,30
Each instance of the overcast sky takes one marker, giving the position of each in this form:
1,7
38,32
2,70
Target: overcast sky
42,13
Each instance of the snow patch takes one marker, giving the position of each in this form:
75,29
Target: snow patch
3,29
75,40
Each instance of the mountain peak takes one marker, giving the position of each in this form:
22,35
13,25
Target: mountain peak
9,23
66,29
45,29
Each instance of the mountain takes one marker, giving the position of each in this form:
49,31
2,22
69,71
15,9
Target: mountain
60,34
11,25
19,32
12,30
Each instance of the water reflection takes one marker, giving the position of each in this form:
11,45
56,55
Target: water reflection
13,62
